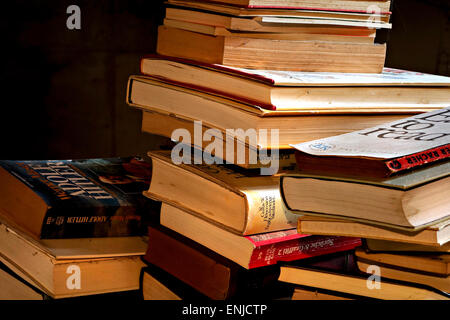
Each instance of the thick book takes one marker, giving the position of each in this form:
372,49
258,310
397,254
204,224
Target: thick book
253,251
409,202
239,200
63,268
391,91
205,271
359,284
335,5
260,53
434,235
77,198
278,20
228,115
165,124
380,151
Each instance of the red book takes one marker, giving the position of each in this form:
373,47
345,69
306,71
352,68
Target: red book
256,250
289,245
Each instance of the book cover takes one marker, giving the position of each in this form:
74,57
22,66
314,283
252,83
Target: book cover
77,198
253,251
288,246
212,191
203,269
388,149
340,5
409,202
389,77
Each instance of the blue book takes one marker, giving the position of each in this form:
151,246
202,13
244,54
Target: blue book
51,199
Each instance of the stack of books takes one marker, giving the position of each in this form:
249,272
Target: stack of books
73,228
223,77
251,201
224,70
220,71
294,36
390,186
229,212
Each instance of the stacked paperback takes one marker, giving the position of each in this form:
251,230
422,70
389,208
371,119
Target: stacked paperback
73,228
389,185
226,68
300,168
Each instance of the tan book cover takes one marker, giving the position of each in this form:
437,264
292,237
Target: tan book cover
241,200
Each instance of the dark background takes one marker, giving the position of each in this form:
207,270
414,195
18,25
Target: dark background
63,91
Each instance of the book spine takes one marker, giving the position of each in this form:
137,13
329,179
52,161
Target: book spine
267,212
301,248
418,159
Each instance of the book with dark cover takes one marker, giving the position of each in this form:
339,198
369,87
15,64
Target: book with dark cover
157,284
207,272
77,198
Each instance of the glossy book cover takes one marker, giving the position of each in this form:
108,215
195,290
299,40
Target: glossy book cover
88,198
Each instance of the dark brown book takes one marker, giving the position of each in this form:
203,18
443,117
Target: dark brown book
206,271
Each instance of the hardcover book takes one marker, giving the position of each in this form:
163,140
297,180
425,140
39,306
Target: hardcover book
77,198
380,151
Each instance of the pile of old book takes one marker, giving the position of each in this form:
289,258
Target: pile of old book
73,228
299,168
389,185
235,86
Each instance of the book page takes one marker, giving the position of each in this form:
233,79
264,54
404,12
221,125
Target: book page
389,77
427,131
